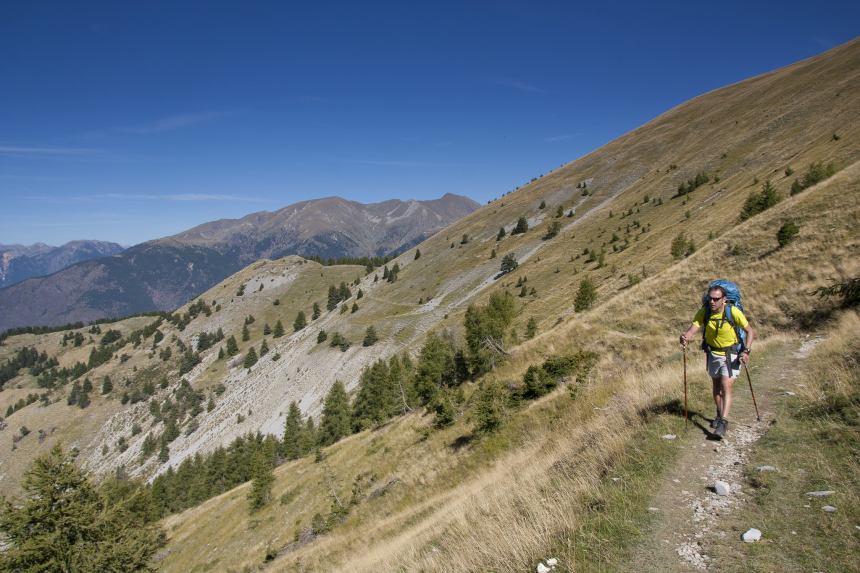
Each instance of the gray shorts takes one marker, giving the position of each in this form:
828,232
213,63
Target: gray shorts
719,366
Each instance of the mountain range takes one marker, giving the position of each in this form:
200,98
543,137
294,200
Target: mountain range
18,263
165,273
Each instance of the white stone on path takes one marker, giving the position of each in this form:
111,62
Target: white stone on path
828,508
669,437
751,536
766,469
820,493
789,394
552,562
722,488
541,568
653,509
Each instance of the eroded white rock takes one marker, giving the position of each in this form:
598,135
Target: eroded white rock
820,493
722,488
541,568
766,469
751,536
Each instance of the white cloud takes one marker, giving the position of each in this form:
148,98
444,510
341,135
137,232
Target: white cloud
174,122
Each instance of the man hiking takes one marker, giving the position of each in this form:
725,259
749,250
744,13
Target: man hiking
725,352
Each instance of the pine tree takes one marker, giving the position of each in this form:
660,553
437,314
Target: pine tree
333,297
501,234
232,346
336,415
246,336
266,330
531,328
263,478
316,313
375,400
300,321
359,294
344,291
585,295
250,358
385,272
417,254
107,386
522,226
264,348
292,446
279,329
370,336
64,524
354,307
221,353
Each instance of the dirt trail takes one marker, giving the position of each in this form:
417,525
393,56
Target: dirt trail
686,508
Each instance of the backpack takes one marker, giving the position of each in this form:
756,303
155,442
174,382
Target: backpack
733,298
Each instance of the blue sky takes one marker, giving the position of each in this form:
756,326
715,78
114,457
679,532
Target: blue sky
129,121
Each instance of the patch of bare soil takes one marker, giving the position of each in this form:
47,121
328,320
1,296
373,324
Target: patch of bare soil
687,508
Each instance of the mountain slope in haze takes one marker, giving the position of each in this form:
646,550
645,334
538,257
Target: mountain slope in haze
166,273
449,494
18,263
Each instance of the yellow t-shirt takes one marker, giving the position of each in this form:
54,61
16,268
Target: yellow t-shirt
718,332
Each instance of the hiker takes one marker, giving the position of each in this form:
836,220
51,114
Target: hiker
725,352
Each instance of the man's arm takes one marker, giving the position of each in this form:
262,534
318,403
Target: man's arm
685,338
745,357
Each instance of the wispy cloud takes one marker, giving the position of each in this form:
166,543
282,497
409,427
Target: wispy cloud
561,137
445,143
46,151
174,122
409,163
516,84
827,44
182,197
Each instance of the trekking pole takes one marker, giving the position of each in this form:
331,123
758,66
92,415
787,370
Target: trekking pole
685,388
751,392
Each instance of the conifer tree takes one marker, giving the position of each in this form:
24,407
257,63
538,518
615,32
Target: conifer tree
263,478
522,226
359,294
374,402
300,321
336,415
354,307
63,523
278,330
385,272
333,297
292,444
344,291
266,330
317,312
370,336
417,254
310,436
250,358
264,348
221,353
246,336
107,386
531,328
501,234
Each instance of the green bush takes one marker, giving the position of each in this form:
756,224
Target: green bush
816,173
585,295
787,233
759,202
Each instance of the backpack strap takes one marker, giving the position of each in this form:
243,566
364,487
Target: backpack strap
727,317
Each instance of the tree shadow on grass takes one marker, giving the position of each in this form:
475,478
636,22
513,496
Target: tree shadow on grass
462,442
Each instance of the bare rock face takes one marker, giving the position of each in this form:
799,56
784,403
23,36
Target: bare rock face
166,273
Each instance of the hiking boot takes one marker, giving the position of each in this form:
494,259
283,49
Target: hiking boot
722,426
716,421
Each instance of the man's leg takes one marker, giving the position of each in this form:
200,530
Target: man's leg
717,391
726,395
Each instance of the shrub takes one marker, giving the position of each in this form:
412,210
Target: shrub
787,233
848,290
321,337
370,336
553,230
586,294
816,173
509,263
759,202
522,226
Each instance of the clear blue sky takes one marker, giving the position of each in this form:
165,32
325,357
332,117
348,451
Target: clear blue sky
129,121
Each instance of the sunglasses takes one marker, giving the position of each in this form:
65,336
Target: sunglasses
717,299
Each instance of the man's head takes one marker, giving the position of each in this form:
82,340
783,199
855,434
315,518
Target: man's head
717,298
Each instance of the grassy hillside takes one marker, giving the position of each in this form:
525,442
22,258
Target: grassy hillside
452,499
